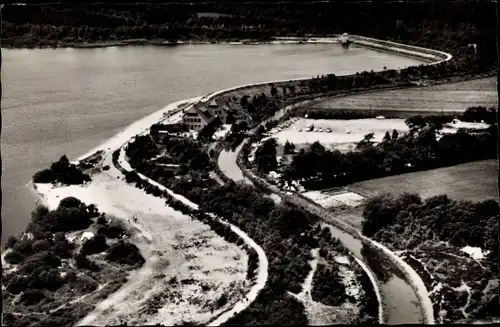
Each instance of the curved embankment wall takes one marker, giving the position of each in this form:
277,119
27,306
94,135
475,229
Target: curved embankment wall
433,56
412,278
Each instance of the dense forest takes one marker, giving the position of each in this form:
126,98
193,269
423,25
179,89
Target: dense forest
449,26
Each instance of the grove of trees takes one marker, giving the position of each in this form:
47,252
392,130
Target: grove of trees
61,171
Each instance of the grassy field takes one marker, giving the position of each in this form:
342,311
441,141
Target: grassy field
447,98
474,181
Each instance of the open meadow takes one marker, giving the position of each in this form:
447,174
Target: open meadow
473,181
446,98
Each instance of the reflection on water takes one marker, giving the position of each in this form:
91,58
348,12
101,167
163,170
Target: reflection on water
402,303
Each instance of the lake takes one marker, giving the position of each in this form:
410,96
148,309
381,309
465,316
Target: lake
68,101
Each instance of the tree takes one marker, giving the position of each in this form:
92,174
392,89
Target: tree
31,297
14,257
274,91
82,262
331,81
43,176
265,156
41,245
96,244
200,162
366,142
288,148
11,241
17,284
379,212
395,134
39,212
387,137
125,253
244,101
415,123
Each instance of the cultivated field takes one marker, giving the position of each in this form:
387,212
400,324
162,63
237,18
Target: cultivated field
447,98
474,181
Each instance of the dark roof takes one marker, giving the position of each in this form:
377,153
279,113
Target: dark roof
170,128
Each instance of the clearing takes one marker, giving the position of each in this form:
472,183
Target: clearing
343,135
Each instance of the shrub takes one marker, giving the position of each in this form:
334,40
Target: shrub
96,244
14,257
17,284
125,253
31,297
11,241
41,245
69,202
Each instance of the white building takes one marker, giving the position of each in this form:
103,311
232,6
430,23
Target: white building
201,114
